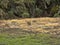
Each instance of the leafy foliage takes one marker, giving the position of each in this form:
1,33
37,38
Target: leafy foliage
32,8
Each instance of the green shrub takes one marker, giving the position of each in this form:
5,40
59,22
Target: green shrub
25,15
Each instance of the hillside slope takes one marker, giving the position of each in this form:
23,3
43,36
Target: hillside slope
30,31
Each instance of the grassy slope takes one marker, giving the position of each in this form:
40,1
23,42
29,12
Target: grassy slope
40,39
16,36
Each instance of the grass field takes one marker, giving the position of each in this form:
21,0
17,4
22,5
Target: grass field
26,38
42,31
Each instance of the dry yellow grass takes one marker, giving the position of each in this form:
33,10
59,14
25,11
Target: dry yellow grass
34,24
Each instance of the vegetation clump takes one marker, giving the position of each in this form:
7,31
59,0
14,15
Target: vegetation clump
11,9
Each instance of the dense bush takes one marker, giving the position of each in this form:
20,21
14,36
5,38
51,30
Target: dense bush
10,9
